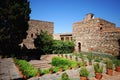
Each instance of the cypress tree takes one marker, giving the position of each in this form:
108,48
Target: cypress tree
14,16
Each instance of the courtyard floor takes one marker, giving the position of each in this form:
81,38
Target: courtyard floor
8,71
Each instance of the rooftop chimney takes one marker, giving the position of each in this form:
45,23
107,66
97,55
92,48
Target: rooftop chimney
89,16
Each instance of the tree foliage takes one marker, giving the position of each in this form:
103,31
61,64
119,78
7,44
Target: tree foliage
63,46
44,42
14,16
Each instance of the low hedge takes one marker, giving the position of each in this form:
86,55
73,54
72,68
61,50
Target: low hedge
26,68
58,61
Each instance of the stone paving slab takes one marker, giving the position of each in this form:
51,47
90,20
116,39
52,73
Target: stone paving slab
8,70
74,75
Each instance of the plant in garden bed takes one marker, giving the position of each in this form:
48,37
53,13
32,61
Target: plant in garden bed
51,70
109,65
45,71
61,68
69,67
56,69
61,55
84,62
98,70
90,58
84,73
76,58
70,57
26,68
39,72
79,64
66,56
64,77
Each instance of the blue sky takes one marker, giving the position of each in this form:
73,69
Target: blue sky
65,12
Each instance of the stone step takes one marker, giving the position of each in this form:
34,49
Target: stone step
43,65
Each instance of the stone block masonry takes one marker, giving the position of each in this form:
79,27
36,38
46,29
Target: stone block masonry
35,27
97,35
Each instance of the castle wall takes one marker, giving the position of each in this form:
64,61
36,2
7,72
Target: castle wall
97,35
35,27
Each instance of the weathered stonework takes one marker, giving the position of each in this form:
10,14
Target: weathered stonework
97,35
63,36
34,29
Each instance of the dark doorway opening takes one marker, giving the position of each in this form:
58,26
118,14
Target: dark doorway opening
79,47
119,49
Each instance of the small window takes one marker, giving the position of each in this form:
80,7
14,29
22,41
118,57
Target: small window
32,35
101,28
62,38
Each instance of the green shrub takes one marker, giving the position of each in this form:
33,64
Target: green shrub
45,71
27,69
90,57
109,64
98,68
65,77
80,64
39,70
84,72
56,69
51,69
116,62
58,61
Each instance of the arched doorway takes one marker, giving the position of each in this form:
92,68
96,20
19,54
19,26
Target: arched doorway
79,46
119,48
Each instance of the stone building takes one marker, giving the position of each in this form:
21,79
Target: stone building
97,35
35,27
63,36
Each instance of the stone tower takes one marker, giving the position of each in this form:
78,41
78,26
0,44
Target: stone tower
35,27
97,35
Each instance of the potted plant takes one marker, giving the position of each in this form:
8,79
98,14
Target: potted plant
84,73
79,64
69,67
39,72
61,68
76,58
98,70
51,70
84,62
117,65
109,66
90,58
24,75
70,57
65,77
66,56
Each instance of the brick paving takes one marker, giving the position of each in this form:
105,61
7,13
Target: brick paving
8,70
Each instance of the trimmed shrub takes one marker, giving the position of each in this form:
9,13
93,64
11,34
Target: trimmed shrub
27,69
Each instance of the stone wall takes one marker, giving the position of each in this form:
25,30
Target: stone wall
63,36
97,35
35,27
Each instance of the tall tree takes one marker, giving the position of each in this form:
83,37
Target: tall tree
14,16
44,43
